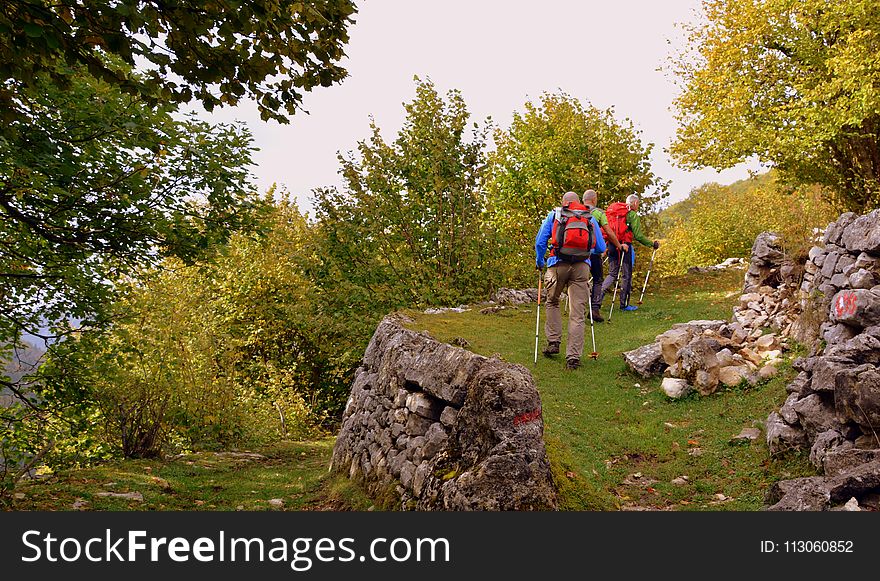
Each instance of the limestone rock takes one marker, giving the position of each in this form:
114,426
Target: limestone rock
836,333
509,296
867,262
863,348
767,248
767,372
647,361
733,375
787,411
857,396
747,435
800,494
676,388
448,429
839,461
424,405
815,414
699,365
781,436
135,496
863,235
827,441
725,359
862,279
830,265
672,341
448,416
859,307
834,231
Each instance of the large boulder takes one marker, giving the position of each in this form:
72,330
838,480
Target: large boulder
857,307
768,248
816,414
699,364
834,231
816,493
672,341
646,361
840,461
863,234
446,428
857,396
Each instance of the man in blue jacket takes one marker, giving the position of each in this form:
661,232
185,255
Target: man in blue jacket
561,273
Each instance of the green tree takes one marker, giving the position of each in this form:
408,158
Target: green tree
792,83
96,185
215,52
227,352
409,226
718,222
555,146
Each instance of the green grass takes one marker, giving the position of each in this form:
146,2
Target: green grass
615,441
295,472
603,426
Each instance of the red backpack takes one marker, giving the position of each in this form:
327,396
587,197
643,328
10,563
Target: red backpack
572,236
616,214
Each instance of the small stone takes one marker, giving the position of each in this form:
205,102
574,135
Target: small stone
768,372
680,481
80,504
276,503
136,496
746,435
852,505
676,388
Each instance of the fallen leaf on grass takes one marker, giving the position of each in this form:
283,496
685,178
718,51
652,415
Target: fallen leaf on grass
570,475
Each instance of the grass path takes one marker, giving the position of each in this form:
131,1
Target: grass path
293,472
615,440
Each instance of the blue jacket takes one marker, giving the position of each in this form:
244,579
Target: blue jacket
543,238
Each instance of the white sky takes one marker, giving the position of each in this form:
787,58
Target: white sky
499,53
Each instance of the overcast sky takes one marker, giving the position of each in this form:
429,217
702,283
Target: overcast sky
499,54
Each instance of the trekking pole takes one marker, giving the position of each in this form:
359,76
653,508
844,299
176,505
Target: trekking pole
650,264
614,298
594,354
538,319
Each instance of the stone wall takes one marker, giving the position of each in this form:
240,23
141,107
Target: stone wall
833,405
443,428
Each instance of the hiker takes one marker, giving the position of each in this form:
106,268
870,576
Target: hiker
572,234
591,200
624,220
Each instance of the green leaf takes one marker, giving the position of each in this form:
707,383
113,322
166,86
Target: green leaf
33,30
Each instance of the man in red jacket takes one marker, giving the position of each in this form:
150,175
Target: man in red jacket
627,225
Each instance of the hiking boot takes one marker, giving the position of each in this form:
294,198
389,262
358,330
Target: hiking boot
597,317
551,349
629,308
572,363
